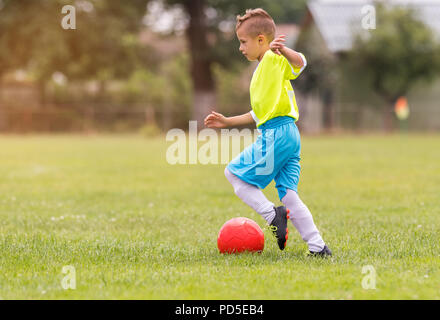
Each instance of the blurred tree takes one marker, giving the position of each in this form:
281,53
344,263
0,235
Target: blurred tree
104,44
168,107
13,53
223,49
400,52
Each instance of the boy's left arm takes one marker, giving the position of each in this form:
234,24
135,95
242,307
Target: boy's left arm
278,47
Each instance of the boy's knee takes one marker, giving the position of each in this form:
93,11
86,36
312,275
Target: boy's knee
228,174
286,193
238,190
237,184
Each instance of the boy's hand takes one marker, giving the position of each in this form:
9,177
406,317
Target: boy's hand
277,45
216,120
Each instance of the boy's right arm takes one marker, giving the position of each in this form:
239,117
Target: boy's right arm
217,120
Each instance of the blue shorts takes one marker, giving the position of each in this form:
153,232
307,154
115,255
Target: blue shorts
275,155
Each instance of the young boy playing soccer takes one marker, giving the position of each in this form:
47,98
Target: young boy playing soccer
275,155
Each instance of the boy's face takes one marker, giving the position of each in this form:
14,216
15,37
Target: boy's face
251,47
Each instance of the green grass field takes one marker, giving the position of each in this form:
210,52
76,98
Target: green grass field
135,227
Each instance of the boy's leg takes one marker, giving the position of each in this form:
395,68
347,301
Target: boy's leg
252,196
252,170
287,185
303,221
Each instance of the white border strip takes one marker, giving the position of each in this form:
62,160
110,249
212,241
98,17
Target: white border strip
254,117
304,66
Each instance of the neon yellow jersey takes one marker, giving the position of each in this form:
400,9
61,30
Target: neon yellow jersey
270,89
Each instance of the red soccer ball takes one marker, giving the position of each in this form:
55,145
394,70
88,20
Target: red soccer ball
240,234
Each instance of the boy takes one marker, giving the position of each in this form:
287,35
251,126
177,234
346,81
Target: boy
277,149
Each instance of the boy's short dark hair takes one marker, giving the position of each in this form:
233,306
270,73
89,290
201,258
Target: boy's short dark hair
258,22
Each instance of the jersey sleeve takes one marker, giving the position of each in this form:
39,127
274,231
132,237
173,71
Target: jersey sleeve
293,72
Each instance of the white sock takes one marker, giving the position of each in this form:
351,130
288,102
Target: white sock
303,221
252,196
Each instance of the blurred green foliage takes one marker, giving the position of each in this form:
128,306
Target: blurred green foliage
103,46
232,90
167,90
384,64
401,51
225,51
105,65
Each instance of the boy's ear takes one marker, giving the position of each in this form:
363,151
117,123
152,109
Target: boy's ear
261,38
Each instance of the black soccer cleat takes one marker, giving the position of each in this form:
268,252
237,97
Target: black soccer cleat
324,253
280,226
